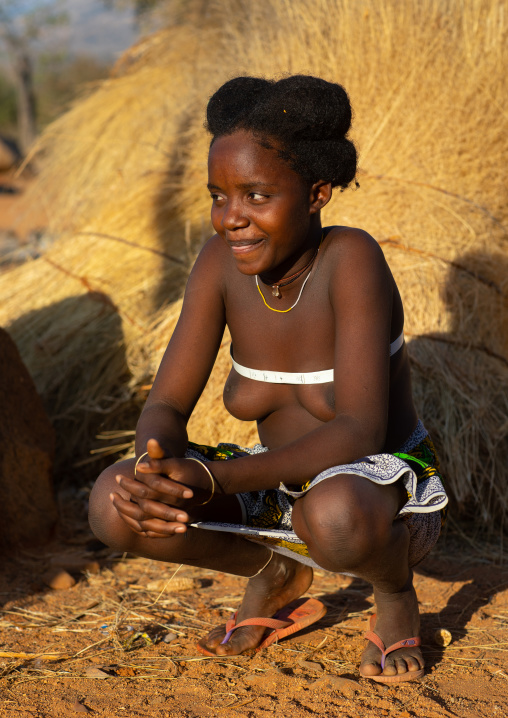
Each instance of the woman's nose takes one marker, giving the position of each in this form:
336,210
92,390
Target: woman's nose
234,216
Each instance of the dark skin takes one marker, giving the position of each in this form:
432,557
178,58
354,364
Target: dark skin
267,220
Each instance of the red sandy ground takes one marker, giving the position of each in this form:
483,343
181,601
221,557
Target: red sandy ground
114,645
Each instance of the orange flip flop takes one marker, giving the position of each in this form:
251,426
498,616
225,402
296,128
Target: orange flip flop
292,618
407,642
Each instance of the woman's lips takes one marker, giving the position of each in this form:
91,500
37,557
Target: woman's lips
242,247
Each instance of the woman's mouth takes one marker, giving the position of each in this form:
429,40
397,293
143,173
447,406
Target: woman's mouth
244,246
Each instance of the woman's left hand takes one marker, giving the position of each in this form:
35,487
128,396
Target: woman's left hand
177,482
162,493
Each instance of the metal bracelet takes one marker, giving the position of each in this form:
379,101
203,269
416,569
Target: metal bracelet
137,462
205,467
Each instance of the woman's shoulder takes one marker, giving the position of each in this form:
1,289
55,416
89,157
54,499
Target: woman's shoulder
359,279
341,235
212,258
207,277
213,247
350,245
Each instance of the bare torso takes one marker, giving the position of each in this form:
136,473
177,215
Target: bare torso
300,341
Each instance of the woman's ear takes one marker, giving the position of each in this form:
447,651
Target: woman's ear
320,195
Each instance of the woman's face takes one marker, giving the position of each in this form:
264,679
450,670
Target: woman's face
261,208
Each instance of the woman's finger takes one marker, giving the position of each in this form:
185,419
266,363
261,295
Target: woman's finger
162,528
151,465
131,523
188,480
127,508
137,488
158,510
135,526
154,449
167,522
165,487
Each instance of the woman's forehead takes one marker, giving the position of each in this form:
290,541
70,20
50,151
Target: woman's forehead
241,154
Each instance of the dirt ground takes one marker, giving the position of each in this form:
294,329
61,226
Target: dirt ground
121,640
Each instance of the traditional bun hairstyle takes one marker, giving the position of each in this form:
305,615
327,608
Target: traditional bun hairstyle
304,118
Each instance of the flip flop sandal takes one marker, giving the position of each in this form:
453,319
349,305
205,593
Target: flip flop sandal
290,619
407,642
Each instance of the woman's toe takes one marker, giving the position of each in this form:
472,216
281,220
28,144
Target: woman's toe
213,640
401,665
371,668
227,649
413,664
391,668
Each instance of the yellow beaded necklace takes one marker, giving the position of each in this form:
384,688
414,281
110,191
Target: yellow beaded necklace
282,311
295,276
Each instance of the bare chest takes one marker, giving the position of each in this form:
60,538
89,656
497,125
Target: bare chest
297,342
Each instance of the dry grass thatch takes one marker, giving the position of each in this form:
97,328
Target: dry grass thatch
123,182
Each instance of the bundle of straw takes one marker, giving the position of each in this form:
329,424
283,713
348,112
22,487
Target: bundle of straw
123,178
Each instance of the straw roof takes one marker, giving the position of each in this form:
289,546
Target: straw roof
123,177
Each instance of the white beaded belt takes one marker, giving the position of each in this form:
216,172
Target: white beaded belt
286,377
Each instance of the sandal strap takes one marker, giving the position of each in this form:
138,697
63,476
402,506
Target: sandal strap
406,642
374,638
268,622
273,623
231,622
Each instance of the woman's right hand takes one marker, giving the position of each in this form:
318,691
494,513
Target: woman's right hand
148,517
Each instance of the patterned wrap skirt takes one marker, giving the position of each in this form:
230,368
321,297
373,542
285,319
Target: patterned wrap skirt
266,515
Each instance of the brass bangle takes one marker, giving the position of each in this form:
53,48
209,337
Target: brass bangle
205,467
137,462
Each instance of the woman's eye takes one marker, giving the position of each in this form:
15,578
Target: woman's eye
216,197
257,196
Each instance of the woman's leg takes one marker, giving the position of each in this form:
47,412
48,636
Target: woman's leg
348,524
282,581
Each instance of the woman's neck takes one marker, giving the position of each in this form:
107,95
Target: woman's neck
297,265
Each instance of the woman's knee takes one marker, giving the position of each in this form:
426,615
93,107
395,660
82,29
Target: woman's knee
104,520
346,516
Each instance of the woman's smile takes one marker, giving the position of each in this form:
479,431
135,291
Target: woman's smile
244,246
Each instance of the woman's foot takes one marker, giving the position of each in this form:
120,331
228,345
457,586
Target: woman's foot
282,581
397,619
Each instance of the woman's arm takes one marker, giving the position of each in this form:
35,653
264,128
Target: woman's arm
162,427
189,357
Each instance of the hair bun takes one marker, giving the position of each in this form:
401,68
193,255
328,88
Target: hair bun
232,101
304,118
309,107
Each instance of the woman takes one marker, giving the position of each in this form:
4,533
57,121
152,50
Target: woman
319,362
